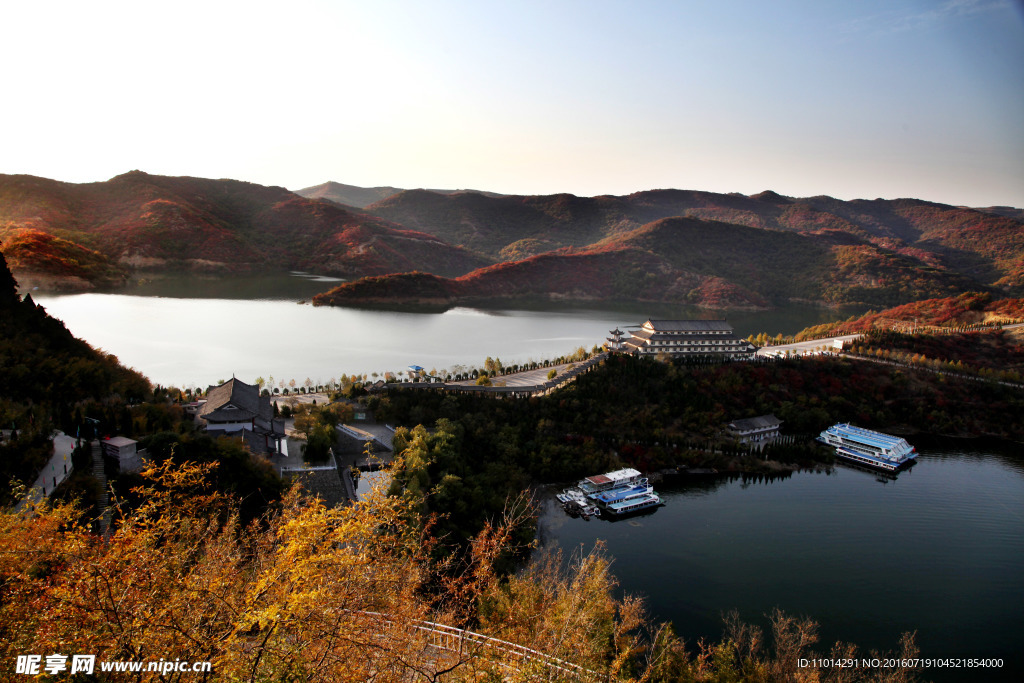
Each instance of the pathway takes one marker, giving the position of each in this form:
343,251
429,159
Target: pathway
465,645
935,371
526,378
805,347
103,501
55,471
520,384
811,345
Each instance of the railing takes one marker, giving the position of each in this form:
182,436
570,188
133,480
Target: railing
452,639
532,389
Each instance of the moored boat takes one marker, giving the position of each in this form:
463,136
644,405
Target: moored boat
631,505
611,494
609,480
867,447
617,495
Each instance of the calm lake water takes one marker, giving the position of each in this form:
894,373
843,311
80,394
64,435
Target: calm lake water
191,331
938,551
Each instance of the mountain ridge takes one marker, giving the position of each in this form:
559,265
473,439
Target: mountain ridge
759,250
361,197
985,245
141,221
677,260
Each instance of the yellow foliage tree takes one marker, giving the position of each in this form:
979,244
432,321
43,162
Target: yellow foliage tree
311,594
342,594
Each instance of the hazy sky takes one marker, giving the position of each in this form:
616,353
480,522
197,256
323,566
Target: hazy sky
890,98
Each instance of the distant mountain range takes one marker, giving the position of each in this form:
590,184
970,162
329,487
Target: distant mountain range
71,236
708,249
359,197
448,247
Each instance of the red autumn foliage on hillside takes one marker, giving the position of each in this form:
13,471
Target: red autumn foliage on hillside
143,221
970,308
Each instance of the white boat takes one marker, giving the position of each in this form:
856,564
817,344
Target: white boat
572,495
867,447
619,494
626,507
602,482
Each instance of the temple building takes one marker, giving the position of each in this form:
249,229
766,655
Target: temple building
237,409
614,342
688,338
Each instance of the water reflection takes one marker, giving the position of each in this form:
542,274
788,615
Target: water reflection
293,285
194,330
936,550
877,475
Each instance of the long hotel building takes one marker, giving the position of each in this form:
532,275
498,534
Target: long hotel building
687,338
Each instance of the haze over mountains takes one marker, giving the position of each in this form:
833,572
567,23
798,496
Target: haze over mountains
702,248
359,197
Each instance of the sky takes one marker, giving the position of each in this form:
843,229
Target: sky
866,99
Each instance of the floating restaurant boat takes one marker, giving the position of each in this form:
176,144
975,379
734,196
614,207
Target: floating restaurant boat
631,505
867,447
613,494
609,480
619,494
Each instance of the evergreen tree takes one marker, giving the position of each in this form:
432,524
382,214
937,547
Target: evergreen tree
8,285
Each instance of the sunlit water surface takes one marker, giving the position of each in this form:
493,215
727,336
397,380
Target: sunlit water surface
190,331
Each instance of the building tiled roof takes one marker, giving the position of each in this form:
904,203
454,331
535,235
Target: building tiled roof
689,325
245,398
760,422
323,484
682,336
256,442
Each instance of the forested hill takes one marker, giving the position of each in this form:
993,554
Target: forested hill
985,245
676,246
684,261
348,195
44,363
86,235
966,311
47,373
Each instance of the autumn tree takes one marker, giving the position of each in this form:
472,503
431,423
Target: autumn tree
312,594
353,593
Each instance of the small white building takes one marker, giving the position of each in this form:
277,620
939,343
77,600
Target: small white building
124,451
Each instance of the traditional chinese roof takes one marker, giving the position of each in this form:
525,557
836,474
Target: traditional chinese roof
323,484
235,401
688,325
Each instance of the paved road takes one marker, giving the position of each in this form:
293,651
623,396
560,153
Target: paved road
806,347
803,348
527,378
54,471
